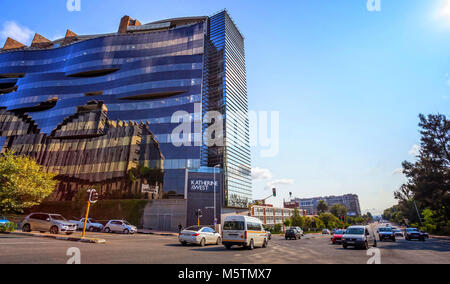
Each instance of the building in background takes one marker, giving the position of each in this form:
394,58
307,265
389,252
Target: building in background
99,110
350,201
271,216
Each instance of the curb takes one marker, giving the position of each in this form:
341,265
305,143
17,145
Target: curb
62,238
159,234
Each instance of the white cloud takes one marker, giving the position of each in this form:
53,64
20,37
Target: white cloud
274,183
398,171
414,151
261,174
15,31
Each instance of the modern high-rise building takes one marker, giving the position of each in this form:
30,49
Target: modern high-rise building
350,201
105,110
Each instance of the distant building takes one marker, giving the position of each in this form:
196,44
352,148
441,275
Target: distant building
269,215
351,201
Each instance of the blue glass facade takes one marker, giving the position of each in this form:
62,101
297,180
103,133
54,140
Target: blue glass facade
140,77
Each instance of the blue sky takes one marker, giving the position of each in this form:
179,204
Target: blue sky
348,83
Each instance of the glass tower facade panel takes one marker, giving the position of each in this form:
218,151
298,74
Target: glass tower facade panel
77,97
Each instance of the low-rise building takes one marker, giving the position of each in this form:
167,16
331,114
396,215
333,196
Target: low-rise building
269,215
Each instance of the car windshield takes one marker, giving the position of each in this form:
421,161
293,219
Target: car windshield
385,230
411,230
194,228
58,217
355,231
92,220
397,231
290,231
233,226
126,223
339,232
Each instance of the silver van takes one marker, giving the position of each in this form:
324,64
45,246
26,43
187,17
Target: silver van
46,222
359,236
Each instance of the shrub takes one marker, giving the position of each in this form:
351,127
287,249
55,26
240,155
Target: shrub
8,227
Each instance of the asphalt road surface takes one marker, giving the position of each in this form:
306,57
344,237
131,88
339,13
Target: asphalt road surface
155,249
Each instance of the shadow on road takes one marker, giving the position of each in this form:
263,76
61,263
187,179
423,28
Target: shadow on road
432,245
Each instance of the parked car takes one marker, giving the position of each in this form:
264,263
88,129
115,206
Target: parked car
359,236
337,237
47,222
292,234
414,234
199,235
91,225
386,234
120,226
244,231
326,232
298,229
398,233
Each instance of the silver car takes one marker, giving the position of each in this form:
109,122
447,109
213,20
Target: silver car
200,236
120,226
46,222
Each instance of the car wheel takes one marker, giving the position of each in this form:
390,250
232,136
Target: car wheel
107,230
54,230
126,232
345,246
184,243
265,244
91,229
394,240
203,242
26,228
219,241
69,233
228,246
286,238
252,245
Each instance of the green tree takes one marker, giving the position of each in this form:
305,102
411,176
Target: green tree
322,206
429,176
23,183
329,220
339,210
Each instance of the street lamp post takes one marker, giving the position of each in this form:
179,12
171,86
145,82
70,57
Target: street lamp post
215,217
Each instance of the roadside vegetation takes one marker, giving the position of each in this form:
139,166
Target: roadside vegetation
424,200
23,183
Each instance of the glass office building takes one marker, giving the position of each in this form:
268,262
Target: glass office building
112,98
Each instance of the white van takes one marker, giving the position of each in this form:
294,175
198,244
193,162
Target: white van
244,231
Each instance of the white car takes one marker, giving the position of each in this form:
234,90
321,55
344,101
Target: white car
200,236
91,225
120,226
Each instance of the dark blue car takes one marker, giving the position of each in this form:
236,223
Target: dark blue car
386,234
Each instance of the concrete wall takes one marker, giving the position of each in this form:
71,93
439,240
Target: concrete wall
165,214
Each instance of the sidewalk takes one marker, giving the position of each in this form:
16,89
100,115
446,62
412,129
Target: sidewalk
154,232
60,237
445,238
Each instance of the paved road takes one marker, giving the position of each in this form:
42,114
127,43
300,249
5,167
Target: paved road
167,250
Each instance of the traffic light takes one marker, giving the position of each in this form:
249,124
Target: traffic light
274,190
199,213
